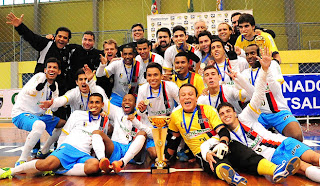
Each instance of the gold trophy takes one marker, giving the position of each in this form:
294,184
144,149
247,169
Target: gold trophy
260,41
159,137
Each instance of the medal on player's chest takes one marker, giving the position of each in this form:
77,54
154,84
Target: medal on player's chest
129,86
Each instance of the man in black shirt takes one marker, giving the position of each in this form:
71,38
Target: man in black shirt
163,41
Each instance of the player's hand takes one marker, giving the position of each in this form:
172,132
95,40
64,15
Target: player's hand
141,106
50,37
13,20
205,91
196,46
103,59
265,59
46,104
210,62
210,159
155,45
221,150
104,114
167,76
237,50
257,31
131,117
88,72
232,74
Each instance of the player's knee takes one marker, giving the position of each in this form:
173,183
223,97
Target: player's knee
91,166
142,133
152,153
61,123
39,126
47,164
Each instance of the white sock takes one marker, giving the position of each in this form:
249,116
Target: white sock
55,136
313,173
98,146
27,167
134,149
32,139
77,170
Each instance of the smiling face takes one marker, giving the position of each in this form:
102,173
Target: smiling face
52,71
252,55
137,33
228,116
164,39
179,38
110,51
205,43
62,39
181,63
224,32
95,104
87,41
217,51
143,50
81,82
211,77
188,98
154,77
128,103
127,55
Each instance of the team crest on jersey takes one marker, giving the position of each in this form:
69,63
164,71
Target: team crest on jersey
196,133
85,124
120,75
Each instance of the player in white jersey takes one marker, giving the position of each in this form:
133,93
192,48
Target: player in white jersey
224,93
275,111
274,147
155,98
180,45
145,55
223,61
128,75
27,115
73,156
121,148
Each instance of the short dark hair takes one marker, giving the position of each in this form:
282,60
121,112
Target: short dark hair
205,33
164,29
247,18
181,54
258,48
189,85
89,33
79,71
210,67
138,24
97,95
128,46
225,104
177,28
142,41
154,65
52,60
217,40
235,14
65,29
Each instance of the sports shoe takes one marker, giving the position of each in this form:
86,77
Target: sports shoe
104,165
117,166
5,173
286,169
19,163
40,155
231,176
182,156
48,173
34,152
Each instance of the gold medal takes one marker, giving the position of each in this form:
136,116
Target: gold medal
202,65
129,86
146,102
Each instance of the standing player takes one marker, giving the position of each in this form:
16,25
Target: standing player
274,147
202,129
124,144
73,156
27,115
128,75
145,55
224,93
155,98
275,111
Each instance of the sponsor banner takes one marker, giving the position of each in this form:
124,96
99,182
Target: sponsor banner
302,93
7,99
213,19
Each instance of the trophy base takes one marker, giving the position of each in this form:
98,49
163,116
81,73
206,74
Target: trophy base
160,170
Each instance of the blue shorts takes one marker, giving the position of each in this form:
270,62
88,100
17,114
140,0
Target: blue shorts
150,143
25,121
69,156
119,151
116,100
277,120
288,149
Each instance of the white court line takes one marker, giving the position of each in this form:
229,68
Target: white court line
171,170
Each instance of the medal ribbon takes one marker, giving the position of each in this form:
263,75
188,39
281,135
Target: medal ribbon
217,98
150,97
204,59
128,78
255,77
91,117
184,120
224,69
243,134
85,105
